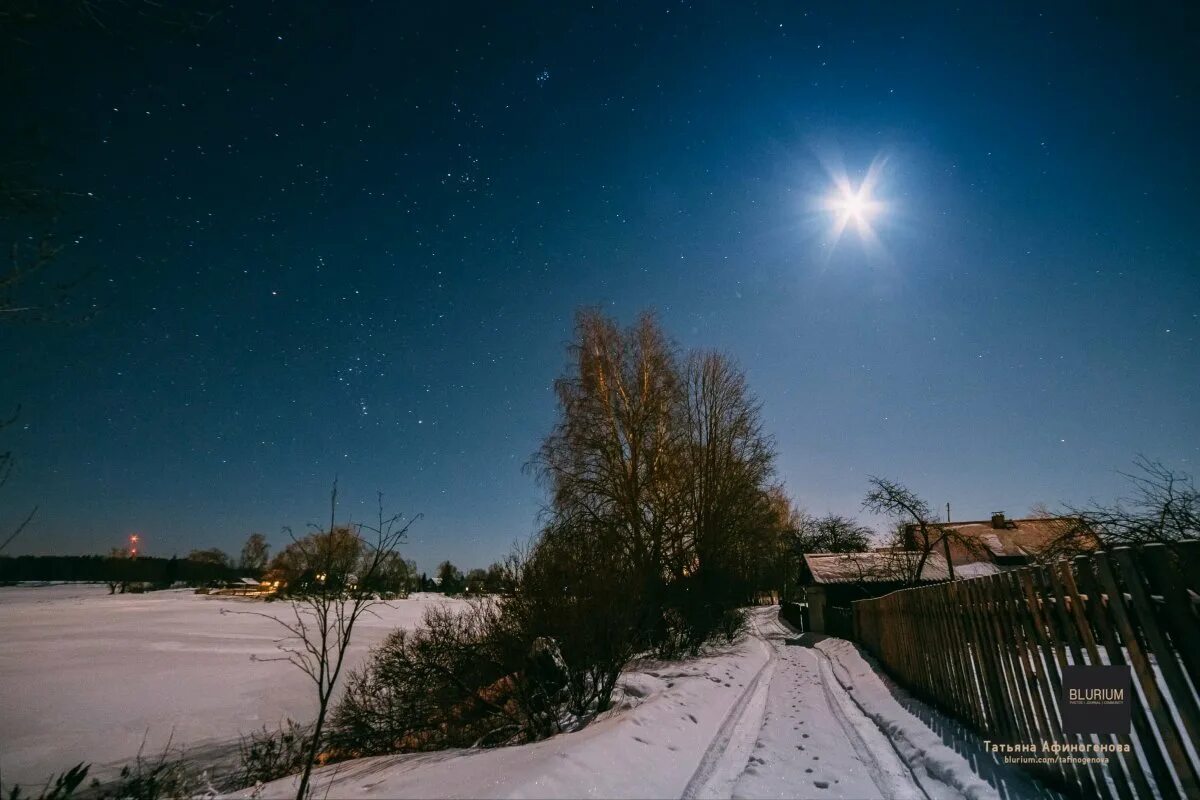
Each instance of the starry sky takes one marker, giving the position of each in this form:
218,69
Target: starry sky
348,240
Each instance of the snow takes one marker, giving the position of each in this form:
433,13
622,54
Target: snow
946,764
775,715
879,565
87,676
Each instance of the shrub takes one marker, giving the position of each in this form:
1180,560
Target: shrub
454,682
267,755
150,780
61,787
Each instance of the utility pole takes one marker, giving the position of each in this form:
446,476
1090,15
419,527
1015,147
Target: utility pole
946,544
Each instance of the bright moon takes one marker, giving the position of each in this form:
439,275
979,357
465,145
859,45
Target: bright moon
854,205
849,203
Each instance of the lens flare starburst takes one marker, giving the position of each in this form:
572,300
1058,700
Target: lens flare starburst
855,207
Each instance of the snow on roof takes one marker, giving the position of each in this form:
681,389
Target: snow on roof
881,566
1016,538
977,569
248,581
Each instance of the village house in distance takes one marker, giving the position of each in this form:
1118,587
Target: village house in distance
832,581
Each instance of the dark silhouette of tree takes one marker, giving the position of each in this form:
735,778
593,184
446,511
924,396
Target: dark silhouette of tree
497,579
213,555
728,532
255,552
831,533
661,464
1163,507
475,581
449,578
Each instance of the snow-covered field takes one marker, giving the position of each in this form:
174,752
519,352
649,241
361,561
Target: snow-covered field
776,715
88,676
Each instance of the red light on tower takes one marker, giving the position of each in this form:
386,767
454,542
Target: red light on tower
133,545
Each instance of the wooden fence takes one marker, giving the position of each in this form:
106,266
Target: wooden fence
990,651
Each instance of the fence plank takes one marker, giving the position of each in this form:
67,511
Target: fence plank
1165,726
1126,770
1053,657
997,716
1184,627
1023,643
1181,693
1016,704
1068,634
1142,723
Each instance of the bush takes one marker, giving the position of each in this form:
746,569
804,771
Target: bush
144,779
61,787
267,755
455,682
569,592
150,780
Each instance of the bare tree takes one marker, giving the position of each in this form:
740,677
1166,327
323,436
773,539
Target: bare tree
609,461
6,467
726,469
1163,507
325,609
255,552
213,555
831,533
918,530
663,465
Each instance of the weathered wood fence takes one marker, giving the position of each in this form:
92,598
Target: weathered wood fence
990,651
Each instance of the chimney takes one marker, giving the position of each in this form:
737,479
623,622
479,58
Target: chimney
998,521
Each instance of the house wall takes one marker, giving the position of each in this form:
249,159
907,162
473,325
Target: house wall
815,595
822,598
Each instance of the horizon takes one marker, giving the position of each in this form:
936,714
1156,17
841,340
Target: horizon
351,248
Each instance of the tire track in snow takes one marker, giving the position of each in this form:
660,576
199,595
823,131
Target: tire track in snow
888,770
729,752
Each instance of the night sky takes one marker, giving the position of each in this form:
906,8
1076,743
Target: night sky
351,242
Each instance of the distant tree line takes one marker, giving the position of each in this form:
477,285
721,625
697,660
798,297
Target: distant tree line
115,569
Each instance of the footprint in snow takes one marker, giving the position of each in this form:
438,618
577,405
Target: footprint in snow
808,769
692,717
821,784
804,736
640,739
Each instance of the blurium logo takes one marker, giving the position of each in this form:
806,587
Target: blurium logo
1096,695
1096,699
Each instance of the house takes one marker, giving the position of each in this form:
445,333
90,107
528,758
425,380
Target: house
241,587
984,547
832,581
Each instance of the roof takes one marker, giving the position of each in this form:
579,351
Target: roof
248,581
881,566
1018,538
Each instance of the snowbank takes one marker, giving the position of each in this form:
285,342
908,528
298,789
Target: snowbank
925,752
649,746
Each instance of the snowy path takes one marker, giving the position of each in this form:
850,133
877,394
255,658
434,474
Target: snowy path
771,752
777,715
